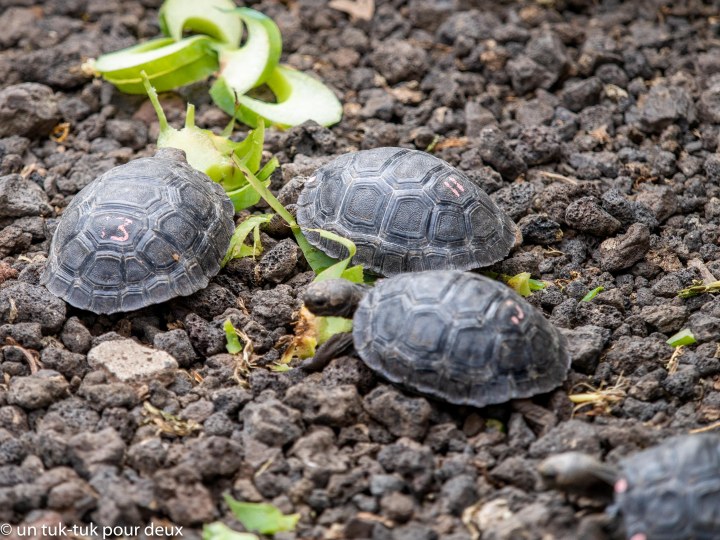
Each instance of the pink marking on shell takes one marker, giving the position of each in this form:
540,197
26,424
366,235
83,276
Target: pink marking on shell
639,536
102,233
458,184
515,320
125,235
519,312
621,486
455,191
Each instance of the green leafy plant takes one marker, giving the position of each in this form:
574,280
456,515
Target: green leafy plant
238,248
592,294
312,330
174,61
216,155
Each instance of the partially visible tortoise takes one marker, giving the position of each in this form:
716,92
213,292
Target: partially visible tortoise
140,234
667,492
456,336
405,210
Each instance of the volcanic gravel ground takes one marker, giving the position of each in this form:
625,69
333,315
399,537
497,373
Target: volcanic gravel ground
594,125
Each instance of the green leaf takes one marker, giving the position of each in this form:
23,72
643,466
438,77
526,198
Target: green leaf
268,169
354,273
317,259
337,269
220,531
261,517
279,367
521,283
216,156
207,17
249,151
536,284
298,98
592,294
245,197
250,65
238,248
168,64
233,341
327,327
683,337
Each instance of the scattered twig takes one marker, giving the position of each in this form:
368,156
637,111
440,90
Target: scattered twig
600,399
60,132
704,429
167,423
560,177
698,287
674,361
33,360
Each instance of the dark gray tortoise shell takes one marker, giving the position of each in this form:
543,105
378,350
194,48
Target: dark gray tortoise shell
405,210
459,337
672,491
140,234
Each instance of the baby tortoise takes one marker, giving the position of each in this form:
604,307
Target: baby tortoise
455,336
406,211
667,492
140,234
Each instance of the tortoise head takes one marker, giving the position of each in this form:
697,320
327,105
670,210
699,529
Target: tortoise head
573,471
333,297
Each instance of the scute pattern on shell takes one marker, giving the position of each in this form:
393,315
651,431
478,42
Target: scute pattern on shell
672,491
406,211
459,337
140,234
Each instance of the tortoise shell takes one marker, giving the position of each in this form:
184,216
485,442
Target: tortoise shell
140,234
459,337
672,491
405,210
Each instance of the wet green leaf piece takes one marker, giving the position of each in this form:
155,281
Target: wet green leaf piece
261,517
592,294
298,98
207,17
683,337
250,65
168,64
233,341
220,531
237,248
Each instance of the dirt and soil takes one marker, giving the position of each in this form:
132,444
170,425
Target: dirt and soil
593,124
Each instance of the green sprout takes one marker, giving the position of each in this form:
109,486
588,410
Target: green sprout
592,294
683,337
174,61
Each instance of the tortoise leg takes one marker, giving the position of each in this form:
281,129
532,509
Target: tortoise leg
336,346
599,527
540,417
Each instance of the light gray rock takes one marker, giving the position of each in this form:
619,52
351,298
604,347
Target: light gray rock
128,360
